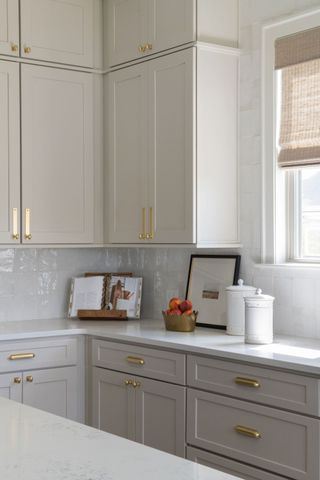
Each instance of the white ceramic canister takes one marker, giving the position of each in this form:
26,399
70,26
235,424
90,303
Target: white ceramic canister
259,318
235,307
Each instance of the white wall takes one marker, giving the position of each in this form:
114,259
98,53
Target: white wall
297,290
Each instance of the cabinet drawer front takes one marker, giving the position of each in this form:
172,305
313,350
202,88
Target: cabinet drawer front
281,442
228,466
146,362
260,385
38,354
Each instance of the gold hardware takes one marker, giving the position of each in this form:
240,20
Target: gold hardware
28,235
21,356
248,382
15,234
29,378
151,232
14,47
135,360
148,46
17,380
143,235
248,432
27,50
128,382
142,48
136,384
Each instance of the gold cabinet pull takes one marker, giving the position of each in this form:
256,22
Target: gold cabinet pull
149,46
28,235
247,382
17,380
21,356
128,382
14,47
27,49
142,48
135,360
247,431
143,235
15,234
136,384
29,378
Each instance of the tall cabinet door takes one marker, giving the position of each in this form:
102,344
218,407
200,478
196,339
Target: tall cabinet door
57,155
128,137
160,415
11,386
171,23
126,29
172,148
113,403
53,390
9,27
58,31
9,152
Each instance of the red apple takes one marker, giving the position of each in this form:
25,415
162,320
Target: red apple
174,303
185,305
188,312
175,311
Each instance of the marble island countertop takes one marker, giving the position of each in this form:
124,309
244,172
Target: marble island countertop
293,353
36,445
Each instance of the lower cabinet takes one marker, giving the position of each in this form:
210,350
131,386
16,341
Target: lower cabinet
147,411
53,390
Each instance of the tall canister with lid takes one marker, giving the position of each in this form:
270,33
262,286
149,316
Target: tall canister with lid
259,318
235,307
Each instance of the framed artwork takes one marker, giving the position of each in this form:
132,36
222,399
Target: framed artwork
209,275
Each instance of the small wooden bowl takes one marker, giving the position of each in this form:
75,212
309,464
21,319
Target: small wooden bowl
180,323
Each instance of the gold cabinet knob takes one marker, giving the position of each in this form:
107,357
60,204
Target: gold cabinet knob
14,47
128,382
142,236
17,380
15,236
142,48
28,237
29,378
27,50
149,46
136,384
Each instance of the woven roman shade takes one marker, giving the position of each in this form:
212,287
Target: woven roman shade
298,57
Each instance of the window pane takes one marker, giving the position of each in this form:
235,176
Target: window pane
310,212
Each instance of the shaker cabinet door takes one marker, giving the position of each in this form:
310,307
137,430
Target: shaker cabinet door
53,390
9,27
57,155
58,31
160,415
9,152
113,403
11,386
128,137
171,184
171,23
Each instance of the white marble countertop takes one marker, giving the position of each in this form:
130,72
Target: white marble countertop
35,445
292,353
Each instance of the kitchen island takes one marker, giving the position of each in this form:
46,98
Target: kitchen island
36,445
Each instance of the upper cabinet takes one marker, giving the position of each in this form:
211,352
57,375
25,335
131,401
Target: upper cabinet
9,27
172,149
138,28
58,31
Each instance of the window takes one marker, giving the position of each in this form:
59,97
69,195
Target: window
292,140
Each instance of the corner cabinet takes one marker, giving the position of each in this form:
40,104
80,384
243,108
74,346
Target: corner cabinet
172,149
9,27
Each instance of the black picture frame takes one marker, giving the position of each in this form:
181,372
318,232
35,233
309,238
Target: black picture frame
205,300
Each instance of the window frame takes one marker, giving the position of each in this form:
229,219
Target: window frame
279,197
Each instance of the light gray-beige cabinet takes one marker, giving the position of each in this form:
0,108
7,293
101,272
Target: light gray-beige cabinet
241,413
127,403
9,27
44,374
172,149
9,152
135,29
58,155
59,31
